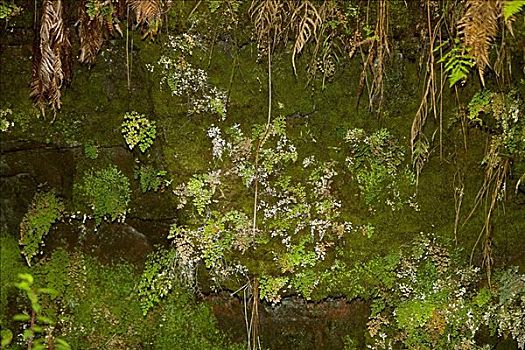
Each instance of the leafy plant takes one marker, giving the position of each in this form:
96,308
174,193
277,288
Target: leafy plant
158,278
9,9
107,192
510,8
90,150
374,161
457,62
138,131
149,178
46,208
37,333
5,124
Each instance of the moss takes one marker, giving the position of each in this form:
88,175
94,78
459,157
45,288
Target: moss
11,264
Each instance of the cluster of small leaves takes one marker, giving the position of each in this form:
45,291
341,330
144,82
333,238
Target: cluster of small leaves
8,9
433,303
200,188
375,161
270,288
150,179
95,8
38,326
5,124
502,115
508,310
107,192
46,208
138,131
90,150
457,62
157,279
184,80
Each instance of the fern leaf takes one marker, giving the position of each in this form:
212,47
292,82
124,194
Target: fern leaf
510,8
307,20
479,26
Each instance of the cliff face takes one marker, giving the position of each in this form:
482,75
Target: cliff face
38,153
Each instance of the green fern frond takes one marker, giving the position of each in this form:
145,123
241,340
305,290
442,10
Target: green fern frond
512,7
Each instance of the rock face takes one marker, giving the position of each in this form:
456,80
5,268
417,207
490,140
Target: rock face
26,167
294,323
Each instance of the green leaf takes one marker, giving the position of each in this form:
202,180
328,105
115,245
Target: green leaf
21,317
61,344
45,319
26,277
512,7
27,334
7,337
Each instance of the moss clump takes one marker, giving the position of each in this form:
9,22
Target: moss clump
45,210
107,192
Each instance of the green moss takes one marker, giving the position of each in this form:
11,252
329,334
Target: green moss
11,264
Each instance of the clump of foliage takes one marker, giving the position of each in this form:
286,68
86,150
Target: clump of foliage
298,219
185,80
39,326
150,179
138,131
158,278
5,123
46,208
432,302
11,264
9,9
107,192
95,306
90,150
375,161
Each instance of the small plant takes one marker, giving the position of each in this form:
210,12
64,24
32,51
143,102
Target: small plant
45,210
149,178
5,124
8,9
138,130
90,150
107,192
457,62
37,331
158,278
374,161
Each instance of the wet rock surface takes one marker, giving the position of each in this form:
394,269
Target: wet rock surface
295,323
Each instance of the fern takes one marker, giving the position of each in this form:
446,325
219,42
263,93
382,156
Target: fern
510,8
306,20
457,62
478,28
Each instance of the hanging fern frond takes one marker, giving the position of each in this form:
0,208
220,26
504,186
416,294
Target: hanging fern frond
148,14
49,65
510,8
97,21
458,62
91,34
307,21
269,18
479,26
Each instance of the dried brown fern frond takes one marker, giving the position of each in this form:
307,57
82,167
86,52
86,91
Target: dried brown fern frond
479,27
305,22
50,53
148,14
91,34
269,17
374,63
